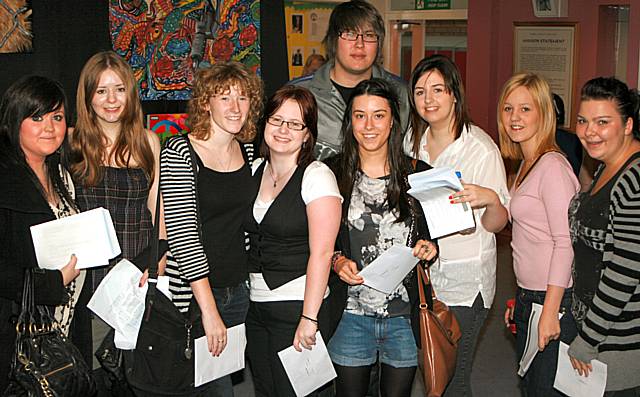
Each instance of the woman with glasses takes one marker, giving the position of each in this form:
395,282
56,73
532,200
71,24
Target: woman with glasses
208,257
292,228
377,214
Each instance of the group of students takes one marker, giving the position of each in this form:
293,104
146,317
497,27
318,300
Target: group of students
265,234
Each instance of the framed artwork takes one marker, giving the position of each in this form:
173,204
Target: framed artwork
166,41
15,26
549,8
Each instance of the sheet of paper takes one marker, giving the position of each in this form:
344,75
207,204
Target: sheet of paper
120,302
89,235
531,346
309,369
163,286
208,367
433,188
572,384
388,270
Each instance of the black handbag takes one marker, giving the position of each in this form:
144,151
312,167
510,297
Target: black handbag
162,364
46,363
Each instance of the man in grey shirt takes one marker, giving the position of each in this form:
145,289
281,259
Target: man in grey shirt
353,43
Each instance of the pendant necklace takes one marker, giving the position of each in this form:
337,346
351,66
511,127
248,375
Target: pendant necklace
276,180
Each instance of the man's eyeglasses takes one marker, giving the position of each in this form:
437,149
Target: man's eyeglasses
367,37
292,125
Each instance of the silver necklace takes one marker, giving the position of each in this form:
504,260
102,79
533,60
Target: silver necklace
276,180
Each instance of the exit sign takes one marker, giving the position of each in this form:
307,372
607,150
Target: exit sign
433,4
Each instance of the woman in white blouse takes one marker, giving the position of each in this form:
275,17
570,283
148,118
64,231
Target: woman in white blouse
464,276
292,227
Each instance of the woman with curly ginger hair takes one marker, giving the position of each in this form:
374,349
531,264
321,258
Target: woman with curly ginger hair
204,213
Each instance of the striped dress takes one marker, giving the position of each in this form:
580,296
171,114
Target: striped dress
186,261
605,231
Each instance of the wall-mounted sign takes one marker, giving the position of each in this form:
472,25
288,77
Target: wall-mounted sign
548,50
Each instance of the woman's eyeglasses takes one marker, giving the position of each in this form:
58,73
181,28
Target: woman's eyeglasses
292,125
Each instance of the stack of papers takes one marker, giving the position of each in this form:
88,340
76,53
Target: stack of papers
433,188
531,346
309,369
89,235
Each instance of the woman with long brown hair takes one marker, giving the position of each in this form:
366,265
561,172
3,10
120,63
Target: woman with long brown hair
115,160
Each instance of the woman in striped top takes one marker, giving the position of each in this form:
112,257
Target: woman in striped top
605,231
204,213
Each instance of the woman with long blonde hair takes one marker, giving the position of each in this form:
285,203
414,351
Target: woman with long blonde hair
115,160
540,197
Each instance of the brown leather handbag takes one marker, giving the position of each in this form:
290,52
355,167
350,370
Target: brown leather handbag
439,335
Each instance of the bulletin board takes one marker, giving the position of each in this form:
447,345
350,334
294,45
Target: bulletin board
306,25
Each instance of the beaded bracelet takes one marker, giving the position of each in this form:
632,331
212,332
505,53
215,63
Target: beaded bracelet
334,260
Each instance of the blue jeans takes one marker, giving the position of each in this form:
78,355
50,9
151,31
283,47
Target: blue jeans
233,304
538,381
470,320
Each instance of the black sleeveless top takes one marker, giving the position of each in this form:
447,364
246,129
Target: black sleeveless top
224,198
280,243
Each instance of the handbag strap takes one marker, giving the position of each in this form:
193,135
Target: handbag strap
155,234
194,169
424,280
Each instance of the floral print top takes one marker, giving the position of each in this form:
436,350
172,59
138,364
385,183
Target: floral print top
372,230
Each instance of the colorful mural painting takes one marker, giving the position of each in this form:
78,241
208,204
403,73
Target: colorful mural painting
159,38
15,26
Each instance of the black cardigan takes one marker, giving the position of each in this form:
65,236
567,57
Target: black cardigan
21,206
338,296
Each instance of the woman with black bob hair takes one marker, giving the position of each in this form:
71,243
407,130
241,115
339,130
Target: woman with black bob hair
35,187
377,213
605,231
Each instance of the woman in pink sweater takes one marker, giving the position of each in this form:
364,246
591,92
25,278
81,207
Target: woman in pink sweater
540,196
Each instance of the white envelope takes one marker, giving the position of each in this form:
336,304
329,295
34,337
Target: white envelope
573,384
388,270
208,367
309,369
89,235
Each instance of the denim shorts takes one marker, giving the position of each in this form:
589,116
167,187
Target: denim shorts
359,340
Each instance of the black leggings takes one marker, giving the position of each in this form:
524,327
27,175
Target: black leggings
354,381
